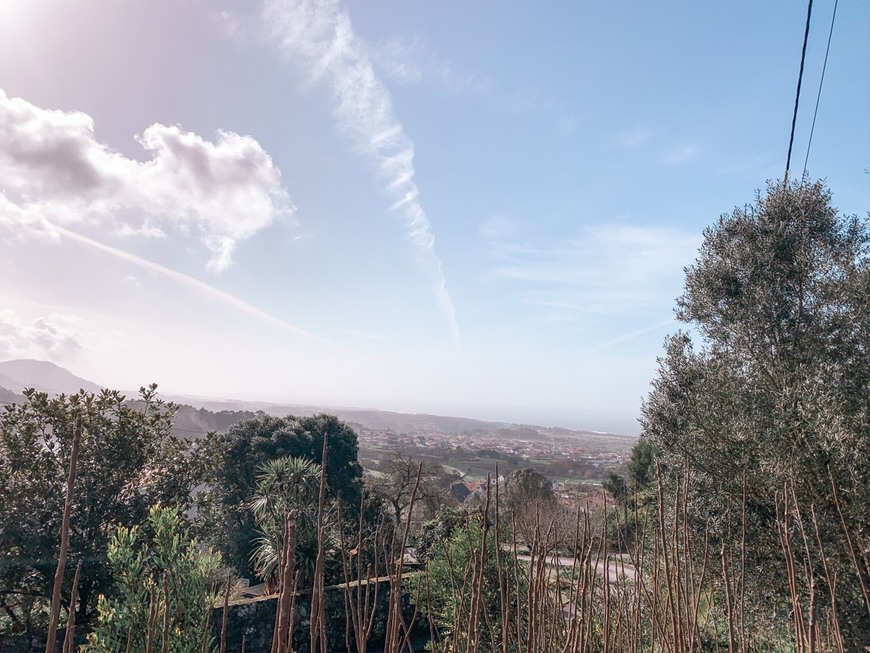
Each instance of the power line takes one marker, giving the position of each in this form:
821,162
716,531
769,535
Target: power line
821,81
797,97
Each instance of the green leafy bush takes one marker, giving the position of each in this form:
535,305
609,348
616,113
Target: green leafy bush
165,590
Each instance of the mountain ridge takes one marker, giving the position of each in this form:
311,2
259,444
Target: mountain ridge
43,376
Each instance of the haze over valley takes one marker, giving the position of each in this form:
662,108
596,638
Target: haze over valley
474,446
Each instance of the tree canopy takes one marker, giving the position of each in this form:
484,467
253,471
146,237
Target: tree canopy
128,461
285,485
765,404
527,488
233,458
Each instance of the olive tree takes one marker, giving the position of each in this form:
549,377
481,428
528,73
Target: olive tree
764,404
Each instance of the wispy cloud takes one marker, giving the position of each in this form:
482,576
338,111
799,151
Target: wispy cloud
764,166
630,336
680,154
52,165
366,335
401,60
409,60
549,108
632,139
497,227
607,269
319,34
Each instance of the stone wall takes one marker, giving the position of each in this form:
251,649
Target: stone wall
253,620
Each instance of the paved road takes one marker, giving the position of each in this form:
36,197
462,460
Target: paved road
613,570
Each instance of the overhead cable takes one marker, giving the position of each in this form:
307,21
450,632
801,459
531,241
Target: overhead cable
797,97
821,81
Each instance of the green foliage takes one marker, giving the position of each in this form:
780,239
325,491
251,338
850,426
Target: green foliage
128,461
641,470
535,515
163,575
233,457
617,487
772,391
286,484
437,530
448,591
527,487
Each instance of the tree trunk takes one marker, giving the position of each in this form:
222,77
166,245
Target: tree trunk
284,638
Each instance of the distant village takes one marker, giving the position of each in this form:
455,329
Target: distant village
576,465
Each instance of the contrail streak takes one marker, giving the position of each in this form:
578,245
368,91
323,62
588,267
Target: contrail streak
319,33
189,282
629,336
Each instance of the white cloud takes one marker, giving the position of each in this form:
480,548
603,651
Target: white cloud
52,169
57,336
608,269
319,34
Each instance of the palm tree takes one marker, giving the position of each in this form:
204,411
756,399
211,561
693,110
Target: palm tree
285,496
287,488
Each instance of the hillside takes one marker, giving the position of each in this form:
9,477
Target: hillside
47,377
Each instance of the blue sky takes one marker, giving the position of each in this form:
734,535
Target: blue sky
479,209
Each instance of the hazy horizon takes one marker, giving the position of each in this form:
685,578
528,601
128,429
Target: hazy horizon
517,415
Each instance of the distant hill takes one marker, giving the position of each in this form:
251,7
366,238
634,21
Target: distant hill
369,418
7,383
47,377
191,423
197,415
9,397
407,423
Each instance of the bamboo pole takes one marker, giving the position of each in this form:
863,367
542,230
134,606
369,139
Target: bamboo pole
318,628
71,613
223,645
64,539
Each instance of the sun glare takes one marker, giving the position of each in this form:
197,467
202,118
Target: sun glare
15,13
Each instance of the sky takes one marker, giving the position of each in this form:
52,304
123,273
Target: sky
480,209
